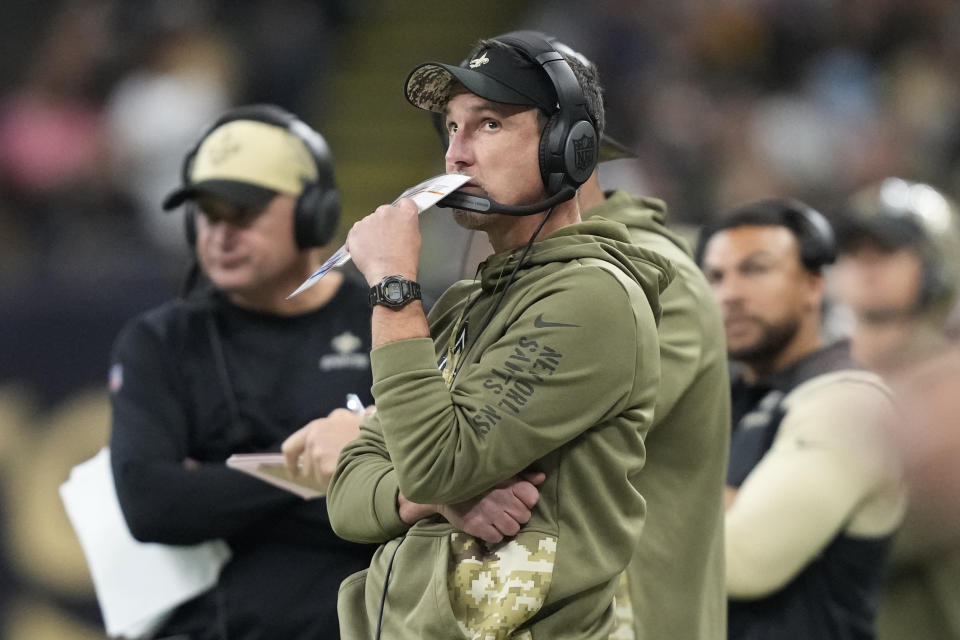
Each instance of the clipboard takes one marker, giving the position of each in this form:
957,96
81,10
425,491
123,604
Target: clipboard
270,467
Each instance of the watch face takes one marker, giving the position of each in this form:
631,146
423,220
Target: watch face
394,293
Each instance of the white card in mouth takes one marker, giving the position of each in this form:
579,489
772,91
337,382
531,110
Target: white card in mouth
425,195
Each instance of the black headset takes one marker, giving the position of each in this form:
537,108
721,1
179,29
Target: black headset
569,142
317,212
814,234
868,207
818,245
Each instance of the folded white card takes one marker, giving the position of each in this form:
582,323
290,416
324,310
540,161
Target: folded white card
425,195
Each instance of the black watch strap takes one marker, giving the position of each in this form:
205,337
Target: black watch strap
394,292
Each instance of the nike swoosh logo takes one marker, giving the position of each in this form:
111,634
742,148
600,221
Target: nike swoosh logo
540,323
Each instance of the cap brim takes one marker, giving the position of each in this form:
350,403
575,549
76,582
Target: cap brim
610,149
888,233
239,193
428,87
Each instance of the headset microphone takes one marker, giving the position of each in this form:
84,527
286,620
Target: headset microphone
467,202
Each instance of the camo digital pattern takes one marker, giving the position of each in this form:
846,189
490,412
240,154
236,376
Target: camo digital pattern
429,87
494,590
622,611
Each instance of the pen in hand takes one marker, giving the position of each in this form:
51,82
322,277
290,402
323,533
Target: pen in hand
355,404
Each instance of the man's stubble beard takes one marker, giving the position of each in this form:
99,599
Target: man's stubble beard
470,219
774,338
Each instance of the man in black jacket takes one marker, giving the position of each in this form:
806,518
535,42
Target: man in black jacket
235,367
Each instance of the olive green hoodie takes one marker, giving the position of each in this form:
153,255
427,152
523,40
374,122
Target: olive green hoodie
556,370
676,582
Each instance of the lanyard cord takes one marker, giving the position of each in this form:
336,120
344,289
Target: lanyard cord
503,292
223,373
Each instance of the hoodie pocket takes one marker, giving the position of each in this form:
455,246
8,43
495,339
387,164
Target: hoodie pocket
494,589
352,609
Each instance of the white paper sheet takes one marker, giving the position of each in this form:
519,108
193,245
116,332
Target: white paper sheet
137,584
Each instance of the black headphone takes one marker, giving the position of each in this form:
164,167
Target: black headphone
818,245
569,142
317,212
869,210
814,234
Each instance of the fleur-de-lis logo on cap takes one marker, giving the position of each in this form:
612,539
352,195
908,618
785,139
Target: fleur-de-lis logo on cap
476,62
222,147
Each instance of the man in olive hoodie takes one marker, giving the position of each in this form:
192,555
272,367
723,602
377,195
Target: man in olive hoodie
549,361
675,585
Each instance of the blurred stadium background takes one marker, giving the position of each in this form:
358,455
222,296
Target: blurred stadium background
722,101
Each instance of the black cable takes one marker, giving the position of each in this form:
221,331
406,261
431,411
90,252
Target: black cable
223,373
386,583
191,279
503,292
513,274
486,320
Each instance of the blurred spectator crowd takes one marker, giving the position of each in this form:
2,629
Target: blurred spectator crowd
728,101
102,105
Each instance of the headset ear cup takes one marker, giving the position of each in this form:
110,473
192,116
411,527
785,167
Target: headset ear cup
820,247
544,151
567,156
580,146
317,216
933,284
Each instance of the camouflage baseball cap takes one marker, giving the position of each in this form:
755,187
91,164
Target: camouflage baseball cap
495,73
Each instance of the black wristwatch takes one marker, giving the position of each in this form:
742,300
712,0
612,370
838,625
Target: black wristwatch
394,292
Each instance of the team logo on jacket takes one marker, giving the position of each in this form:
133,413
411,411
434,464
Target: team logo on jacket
347,354
451,361
762,415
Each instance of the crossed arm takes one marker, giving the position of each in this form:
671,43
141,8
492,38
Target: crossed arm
313,451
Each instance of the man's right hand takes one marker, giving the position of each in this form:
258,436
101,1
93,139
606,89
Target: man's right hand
313,450
491,517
